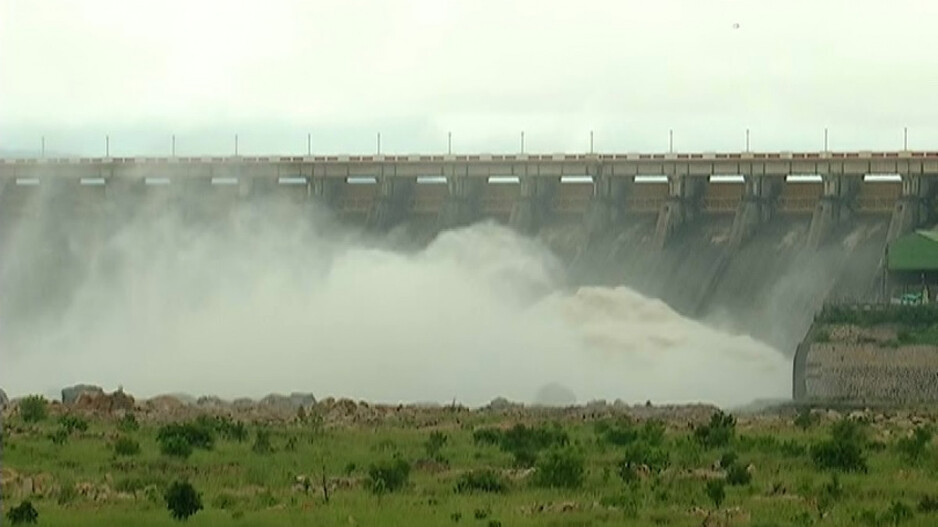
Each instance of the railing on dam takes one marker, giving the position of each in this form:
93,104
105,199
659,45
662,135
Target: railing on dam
717,182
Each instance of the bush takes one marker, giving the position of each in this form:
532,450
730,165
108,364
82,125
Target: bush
73,423
560,468
524,443
806,418
227,428
716,491
898,512
175,446
182,500
23,513
34,409
59,437
67,493
844,451
262,444
640,454
914,448
388,476
718,432
487,436
737,475
728,459
196,434
434,444
483,480
622,432
928,504
126,446
128,423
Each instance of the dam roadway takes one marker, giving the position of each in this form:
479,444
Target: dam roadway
524,190
751,241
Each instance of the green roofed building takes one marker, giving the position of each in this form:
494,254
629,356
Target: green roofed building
912,262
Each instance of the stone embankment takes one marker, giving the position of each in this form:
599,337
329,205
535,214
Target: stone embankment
851,364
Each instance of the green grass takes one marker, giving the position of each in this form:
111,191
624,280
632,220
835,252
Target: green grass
242,487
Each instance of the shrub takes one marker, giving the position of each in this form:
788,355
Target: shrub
128,423
175,446
59,437
737,475
487,436
914,448
23,513
898,512
524,443
560,468
844,451
483,480
640,454
262,444
182,500
928,504
728,459
806,418
126,446
34,409
227,428
718,432
623,432
72,423
67,493
388,476
716,491
434,444
195,434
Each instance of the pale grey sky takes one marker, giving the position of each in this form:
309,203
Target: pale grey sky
273,71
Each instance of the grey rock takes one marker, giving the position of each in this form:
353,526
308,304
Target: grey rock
288,403
72,393
210,401
500,404
4,400
242,403
555,394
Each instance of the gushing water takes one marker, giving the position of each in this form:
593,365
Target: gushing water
260,305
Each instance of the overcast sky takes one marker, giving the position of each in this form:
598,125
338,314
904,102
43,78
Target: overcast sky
343,70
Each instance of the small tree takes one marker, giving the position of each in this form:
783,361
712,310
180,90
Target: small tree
182,500
23,513
34,409
844,450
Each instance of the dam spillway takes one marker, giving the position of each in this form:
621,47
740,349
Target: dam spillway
738,239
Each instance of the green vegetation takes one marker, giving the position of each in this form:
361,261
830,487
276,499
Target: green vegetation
182,500
23,513
865,316
34,409
603,472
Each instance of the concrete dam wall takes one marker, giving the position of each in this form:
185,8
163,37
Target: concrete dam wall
756,254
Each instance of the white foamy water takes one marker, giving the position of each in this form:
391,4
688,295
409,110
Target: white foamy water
481,312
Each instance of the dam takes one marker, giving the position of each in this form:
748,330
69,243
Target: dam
754,242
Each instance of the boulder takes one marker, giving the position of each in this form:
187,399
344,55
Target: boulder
117,401
71,394
4,400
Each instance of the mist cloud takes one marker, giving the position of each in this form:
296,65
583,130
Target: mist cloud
259,303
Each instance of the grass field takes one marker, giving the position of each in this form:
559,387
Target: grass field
632,473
